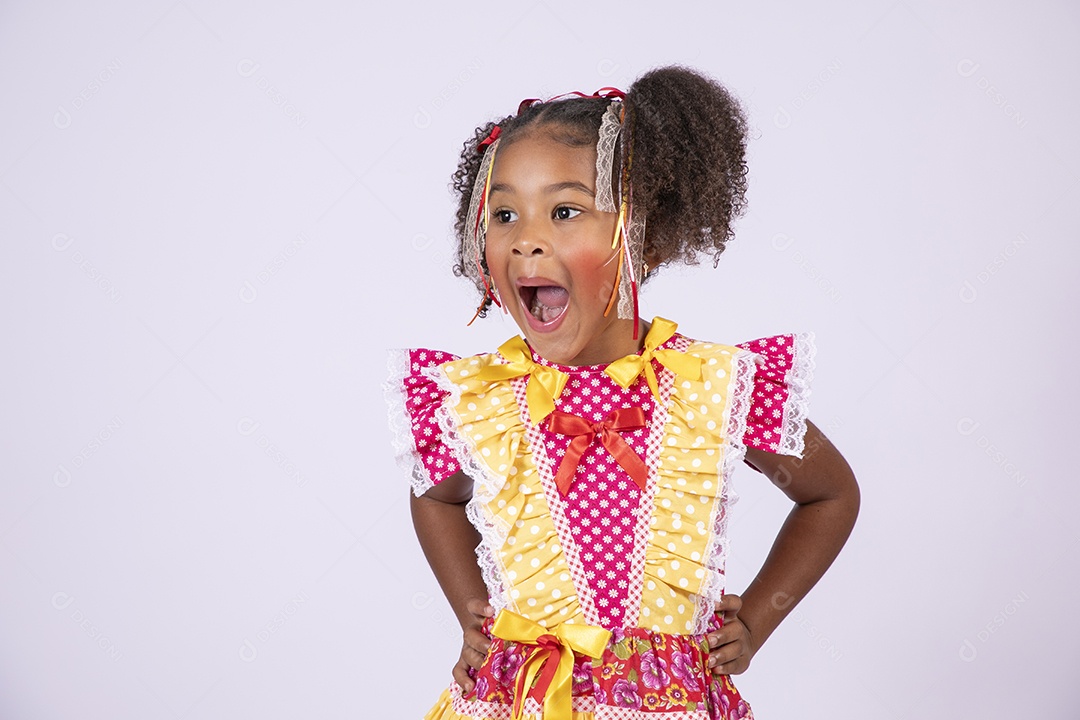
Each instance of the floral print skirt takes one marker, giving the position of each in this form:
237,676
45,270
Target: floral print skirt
642,675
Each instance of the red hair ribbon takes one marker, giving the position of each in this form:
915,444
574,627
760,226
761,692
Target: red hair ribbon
609,92
604,92
491,137
584,432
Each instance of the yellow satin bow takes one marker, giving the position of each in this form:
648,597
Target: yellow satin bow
555,679
545,383
626,370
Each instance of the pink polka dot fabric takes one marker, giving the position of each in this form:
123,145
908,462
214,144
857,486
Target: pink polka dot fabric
602,502
765,423
422,398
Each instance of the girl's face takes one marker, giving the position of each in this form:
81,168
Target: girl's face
549,251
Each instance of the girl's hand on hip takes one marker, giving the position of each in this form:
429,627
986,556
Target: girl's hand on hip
474,644
730,647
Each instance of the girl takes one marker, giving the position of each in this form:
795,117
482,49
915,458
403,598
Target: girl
588,461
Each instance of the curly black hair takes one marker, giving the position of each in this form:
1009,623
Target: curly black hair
687,149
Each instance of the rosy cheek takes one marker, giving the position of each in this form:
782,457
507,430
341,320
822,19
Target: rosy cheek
494,257
595,264
590,259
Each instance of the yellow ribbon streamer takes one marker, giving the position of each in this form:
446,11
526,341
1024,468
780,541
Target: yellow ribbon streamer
626,370
545,383
566,639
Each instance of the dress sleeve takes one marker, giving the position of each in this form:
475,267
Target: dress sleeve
414,397
776,421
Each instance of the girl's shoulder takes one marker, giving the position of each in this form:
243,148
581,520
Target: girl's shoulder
413,396
767,382
431,394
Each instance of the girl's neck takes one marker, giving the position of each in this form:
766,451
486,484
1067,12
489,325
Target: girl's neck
619,343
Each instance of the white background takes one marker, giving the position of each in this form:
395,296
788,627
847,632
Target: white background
216,218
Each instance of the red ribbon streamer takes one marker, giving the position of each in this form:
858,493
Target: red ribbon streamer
604,92
550,646
584,432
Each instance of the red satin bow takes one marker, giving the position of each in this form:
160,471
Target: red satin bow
490,138
608,430
547,649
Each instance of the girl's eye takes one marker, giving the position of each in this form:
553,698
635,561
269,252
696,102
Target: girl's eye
565,213
504,216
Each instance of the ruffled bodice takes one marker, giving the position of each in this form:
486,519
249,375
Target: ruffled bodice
633,551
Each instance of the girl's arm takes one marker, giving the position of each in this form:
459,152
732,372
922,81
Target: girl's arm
449,542
826,498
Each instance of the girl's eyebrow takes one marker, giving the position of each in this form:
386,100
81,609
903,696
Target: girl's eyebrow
553,188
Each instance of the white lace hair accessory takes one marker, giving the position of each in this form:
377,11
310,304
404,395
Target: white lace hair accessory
476,230
610,125
630,226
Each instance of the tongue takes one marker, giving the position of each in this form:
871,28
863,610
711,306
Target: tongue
552,296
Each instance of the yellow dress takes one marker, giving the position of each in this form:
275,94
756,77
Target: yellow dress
631,551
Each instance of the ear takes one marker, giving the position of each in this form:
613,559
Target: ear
652,257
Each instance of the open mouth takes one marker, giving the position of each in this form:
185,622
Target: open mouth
546,303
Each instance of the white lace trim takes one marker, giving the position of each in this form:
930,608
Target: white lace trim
473,245
797,379
646,506
545,468
740,398
486,485
635,241
405,453
605,157
487,557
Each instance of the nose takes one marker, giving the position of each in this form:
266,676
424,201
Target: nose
530,239
527,248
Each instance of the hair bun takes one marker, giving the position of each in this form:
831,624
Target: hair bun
688,165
